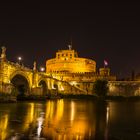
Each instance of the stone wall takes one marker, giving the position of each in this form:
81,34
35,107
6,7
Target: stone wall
124,88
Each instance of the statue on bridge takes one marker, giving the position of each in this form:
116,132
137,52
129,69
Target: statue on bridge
35,67
3,54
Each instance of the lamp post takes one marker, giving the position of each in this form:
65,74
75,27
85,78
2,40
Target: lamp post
42,69
19,59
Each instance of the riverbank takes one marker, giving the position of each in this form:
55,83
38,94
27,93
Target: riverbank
106,98
79,96
4,98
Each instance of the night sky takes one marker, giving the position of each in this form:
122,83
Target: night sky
98,31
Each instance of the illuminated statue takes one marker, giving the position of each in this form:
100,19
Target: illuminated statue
3,54
34,68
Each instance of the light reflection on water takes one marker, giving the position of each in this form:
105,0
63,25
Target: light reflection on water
70,120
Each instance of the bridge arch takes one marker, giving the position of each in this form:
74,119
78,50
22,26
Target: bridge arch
43,84
21,82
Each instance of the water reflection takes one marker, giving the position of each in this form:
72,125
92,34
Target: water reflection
40,121
3,126
68,120
59,119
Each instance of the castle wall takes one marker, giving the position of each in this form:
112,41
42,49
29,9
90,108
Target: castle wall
73,66
68,61
124,88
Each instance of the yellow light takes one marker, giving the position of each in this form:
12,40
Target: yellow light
107,115
73,83
72,111
42,69
60,109
3,126
62,88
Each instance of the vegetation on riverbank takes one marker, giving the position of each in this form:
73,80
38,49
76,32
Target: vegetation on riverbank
100,88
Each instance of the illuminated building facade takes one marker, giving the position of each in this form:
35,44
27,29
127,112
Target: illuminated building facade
67,73
69,67
68,61
79,72
13,76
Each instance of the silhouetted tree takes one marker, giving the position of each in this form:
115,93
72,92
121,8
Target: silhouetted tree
100,87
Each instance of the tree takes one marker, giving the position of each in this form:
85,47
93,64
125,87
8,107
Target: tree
100,87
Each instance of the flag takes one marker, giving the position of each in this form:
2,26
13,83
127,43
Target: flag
105,63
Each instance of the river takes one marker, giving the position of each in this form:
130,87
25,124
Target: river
70,119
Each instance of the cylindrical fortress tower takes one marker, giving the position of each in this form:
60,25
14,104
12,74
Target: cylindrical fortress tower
68,61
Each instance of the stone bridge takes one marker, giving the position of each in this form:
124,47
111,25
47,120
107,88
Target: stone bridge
124,88
16,78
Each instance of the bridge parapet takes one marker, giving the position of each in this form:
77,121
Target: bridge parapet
124,88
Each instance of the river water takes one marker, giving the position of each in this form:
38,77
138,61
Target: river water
70,119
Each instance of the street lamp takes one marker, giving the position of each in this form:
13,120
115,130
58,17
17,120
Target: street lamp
19,59
42,69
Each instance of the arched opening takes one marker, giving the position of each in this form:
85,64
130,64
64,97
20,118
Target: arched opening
44,87
21,85
55,88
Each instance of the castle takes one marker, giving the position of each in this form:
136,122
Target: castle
66,73
79,72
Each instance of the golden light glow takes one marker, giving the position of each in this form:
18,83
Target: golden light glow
60,109
29,117
52,82
72,111
74,83
55,109
3,126
49,109
107,115
112,88
68,60
62,88
58,128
